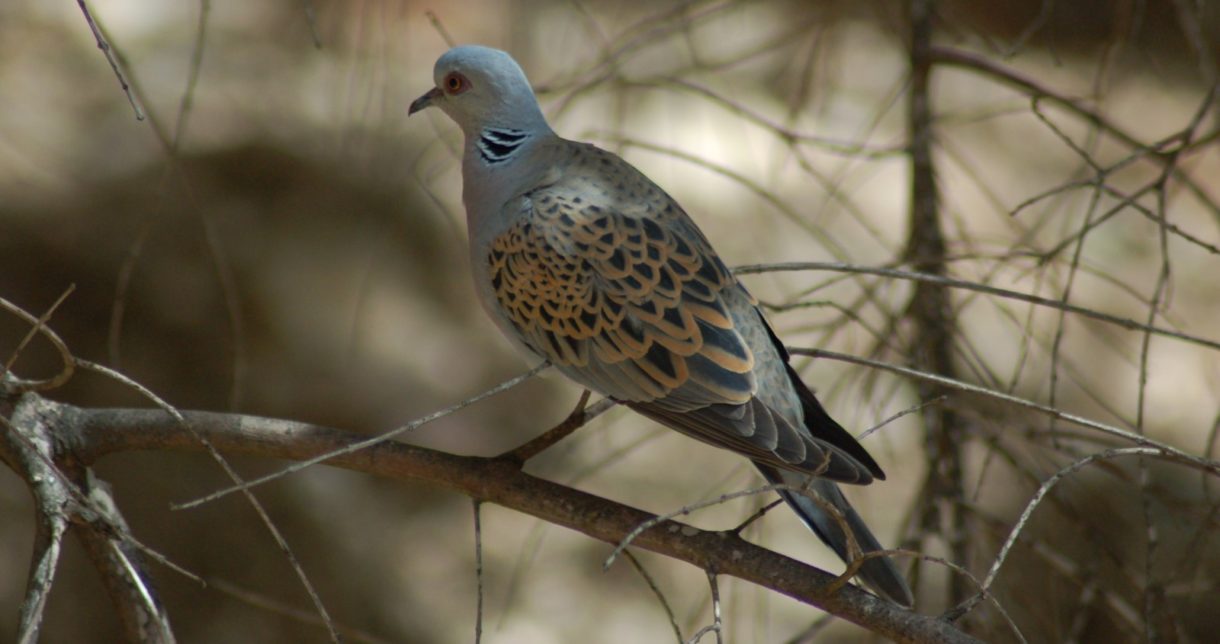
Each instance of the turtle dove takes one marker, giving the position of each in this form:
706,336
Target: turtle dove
583,261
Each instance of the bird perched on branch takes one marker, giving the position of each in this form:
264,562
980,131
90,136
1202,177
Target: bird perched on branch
583,261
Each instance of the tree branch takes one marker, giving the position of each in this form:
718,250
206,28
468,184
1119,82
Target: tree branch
67,497
931,310
90,434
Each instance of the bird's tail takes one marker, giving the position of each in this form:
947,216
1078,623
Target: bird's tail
879,573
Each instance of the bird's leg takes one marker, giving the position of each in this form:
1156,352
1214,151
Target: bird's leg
539,444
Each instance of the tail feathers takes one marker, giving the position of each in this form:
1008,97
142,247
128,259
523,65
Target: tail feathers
879,573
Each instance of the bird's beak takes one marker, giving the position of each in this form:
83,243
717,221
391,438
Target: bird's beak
424,101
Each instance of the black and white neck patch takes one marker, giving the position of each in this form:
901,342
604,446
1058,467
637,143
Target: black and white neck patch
497,145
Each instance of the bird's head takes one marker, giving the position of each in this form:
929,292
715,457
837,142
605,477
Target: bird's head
480,87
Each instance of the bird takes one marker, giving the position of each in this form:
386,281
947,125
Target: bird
582,261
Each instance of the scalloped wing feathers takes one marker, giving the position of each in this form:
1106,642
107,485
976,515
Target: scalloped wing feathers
605,276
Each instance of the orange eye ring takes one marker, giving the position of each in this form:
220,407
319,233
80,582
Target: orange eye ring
456,83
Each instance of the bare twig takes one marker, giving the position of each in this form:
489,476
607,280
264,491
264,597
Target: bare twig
656,590
1050,483
192,80
575,420
265,518
272,605
478,570
966,60
916,276
717,625
1168,450
440,27
853,547
364,444
37,326
311,19
108,51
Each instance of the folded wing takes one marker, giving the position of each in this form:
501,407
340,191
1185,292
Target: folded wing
632,302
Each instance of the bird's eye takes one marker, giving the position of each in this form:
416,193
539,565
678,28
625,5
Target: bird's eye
455,83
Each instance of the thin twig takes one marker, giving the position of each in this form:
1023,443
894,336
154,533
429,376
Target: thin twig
311,19
575,420
38,326
103,45
368,442
916,276
1168,450
716,626
966,60
264,517
274,606
440,27
192,78
1046,487
478,570
656,590
853,547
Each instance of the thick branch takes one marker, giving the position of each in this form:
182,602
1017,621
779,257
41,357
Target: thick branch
66,497
930,307
93,433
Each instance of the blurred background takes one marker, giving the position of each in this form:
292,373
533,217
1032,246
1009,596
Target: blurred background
276,238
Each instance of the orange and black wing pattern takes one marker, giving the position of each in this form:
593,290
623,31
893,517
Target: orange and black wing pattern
608,279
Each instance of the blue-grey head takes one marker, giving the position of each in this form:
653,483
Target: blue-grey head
479,88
